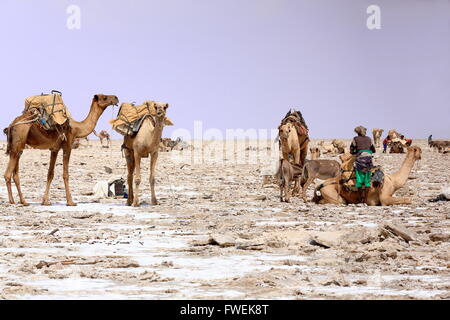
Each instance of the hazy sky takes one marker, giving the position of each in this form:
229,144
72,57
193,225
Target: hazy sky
237,63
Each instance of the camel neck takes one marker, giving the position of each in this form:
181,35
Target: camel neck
401,176
159,125
84,128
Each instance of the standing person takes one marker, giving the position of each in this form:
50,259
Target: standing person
363,148
386,142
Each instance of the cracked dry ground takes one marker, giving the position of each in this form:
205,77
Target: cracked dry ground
218,233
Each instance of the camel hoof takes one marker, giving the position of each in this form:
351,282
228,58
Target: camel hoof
135,204
71,204
155,202
46,203
25,204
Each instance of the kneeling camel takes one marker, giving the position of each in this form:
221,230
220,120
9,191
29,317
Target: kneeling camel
333,192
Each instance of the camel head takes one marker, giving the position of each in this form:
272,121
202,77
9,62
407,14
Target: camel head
416,151
161,109
284,130
103,101
315,153
347,160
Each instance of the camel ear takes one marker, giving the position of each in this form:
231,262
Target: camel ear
166,106
96,97
168,122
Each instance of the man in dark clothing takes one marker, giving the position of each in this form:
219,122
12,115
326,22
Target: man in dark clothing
385,143
363,148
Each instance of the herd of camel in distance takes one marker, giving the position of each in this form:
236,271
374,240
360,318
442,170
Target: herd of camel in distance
147,143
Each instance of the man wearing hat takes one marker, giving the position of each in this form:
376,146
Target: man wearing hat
363,148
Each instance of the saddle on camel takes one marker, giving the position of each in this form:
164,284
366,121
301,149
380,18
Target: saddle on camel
130,117
363,174
48,110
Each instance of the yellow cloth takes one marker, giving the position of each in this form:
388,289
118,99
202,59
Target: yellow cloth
52,104
129,113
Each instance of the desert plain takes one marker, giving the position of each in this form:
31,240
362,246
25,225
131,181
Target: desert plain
219,233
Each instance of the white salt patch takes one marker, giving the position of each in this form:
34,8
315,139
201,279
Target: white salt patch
374,290
364,224
71,284
44,251
277,223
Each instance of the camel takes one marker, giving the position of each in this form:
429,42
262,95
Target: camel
290,145
328,148
315,153
21,133
396,147
77,142
146,142
339,145
103,135
393,134
439,145
377,136
297,147
333,192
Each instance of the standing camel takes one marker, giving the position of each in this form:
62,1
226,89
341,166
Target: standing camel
289,142
103,135
21,133
377,136
146,142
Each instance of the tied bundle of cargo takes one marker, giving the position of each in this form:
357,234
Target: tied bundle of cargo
49,110
130,117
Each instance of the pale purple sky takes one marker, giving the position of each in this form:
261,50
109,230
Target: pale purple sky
237,63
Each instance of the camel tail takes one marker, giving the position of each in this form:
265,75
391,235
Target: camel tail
7,132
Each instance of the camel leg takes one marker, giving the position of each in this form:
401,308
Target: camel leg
66,158
287,191
387,199
13,162
296,190
281,192
297,156
17,182
137,179
331,195
16,143
130,166
50,175
304,152
154,158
